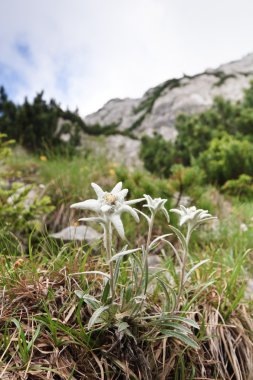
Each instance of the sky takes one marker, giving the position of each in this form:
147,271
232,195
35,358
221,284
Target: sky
86,52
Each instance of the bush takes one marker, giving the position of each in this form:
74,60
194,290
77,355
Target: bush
195,132
22,207
38,125
158,155
227,158
141,182
5,149
241,187
184,179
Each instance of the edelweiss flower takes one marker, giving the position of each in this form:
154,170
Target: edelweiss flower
156,204
192,215
109,207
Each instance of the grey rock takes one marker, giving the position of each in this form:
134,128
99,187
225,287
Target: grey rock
123,150
78,233
31,195
187,94
117,148
249,290
116,111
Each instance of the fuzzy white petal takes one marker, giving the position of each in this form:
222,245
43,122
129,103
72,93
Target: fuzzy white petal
118,225
106,208
134,201
90,204
97,190
176,211
166,214
122,194
116,188
92,219
148,199
184,219
130,210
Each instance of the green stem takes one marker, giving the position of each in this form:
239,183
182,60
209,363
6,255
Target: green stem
108,247
183,269
150,230
143,284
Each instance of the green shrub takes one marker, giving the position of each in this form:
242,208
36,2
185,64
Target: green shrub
5,144
183,179
158,155
241,187
22,207
227,158
38,125
195,132
140,182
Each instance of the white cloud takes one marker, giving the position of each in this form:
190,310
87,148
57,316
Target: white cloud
84,52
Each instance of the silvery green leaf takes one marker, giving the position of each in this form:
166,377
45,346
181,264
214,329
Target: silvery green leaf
122,326
180,336
124,253
106,292
180,237
92,301
79,293
187,321
194,268
92,272
175,251
157,240
96,315
143,214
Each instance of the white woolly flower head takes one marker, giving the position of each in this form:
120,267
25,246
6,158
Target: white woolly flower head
192,216
155,205
109,206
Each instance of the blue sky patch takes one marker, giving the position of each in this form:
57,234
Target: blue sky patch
23,50
11,79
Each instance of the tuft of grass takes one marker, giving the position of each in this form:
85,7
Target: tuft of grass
48,328
57,321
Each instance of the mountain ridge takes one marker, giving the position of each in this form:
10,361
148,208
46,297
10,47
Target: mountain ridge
157,110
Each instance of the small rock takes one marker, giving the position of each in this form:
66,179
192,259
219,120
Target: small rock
78,233
243,227
33,194
249,290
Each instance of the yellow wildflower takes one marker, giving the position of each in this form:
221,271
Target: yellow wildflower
112,172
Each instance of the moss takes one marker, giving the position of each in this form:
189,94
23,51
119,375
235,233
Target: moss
153,94
136,124
97,129
222,78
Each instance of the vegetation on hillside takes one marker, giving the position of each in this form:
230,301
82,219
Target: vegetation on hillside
217,141
173,300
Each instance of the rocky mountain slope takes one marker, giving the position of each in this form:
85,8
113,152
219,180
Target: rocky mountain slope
157,110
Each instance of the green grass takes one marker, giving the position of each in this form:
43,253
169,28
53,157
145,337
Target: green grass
40,312
59,325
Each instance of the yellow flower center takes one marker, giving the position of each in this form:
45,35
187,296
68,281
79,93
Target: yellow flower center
110,199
